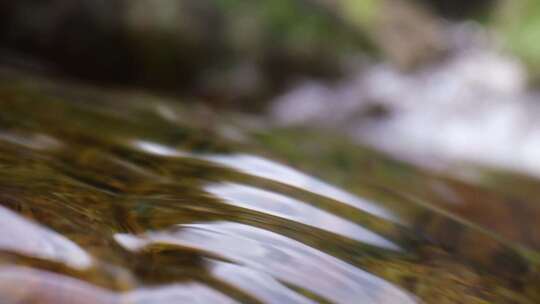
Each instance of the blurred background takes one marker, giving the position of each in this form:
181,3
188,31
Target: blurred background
275,150
436,82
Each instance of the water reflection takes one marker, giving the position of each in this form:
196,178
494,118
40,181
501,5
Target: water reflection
27,285
177,293
267,169
21,236
258,166
33,141
158,149
280,257
135,208
288,208
261,285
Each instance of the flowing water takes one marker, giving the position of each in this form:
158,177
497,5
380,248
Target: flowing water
114,197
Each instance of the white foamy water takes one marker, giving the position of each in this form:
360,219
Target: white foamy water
474,107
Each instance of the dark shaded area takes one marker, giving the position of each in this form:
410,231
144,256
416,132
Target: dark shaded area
461,9
89,39
225,52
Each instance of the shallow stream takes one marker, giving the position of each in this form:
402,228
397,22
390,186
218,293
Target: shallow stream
115,197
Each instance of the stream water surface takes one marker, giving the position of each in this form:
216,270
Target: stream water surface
109,197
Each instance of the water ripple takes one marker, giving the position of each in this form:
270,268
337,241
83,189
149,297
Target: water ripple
280,257
118,202
288,208
21,236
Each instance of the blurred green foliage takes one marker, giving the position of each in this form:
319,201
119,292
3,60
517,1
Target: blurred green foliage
520,26
299,30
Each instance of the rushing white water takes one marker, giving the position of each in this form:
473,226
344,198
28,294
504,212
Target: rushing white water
473,107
